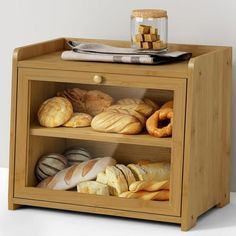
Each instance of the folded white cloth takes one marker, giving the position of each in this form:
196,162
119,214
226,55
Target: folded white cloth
106,53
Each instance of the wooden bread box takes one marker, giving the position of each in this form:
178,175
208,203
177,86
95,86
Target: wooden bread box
199,149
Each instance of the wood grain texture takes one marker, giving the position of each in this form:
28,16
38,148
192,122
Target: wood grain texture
207,140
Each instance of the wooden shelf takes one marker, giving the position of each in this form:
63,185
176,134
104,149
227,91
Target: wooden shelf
89,134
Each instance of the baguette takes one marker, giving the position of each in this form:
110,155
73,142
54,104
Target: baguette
70,177
158,171
162,195
150,186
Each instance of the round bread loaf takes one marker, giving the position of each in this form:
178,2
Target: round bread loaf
92,102
49,165
76,155
55,112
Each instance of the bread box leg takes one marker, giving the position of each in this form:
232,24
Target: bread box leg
188,223
13,206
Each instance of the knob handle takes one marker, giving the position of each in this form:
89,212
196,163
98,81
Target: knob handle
97,79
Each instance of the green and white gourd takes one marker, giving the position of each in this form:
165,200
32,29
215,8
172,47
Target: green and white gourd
49,165
77,155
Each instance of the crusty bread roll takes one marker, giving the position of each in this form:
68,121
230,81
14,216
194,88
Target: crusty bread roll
157,171
92,102
55,112
148,185
162,195
93,187
116,181
143,109
79,120
114,122
70,177
127,173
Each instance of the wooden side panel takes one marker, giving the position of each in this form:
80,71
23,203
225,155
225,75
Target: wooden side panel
11,205
207,140
22,54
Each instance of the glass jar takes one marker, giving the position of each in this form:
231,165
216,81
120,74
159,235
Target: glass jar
149,28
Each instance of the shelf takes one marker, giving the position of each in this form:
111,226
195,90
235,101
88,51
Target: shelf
89,134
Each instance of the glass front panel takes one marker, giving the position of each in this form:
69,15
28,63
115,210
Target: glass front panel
103,140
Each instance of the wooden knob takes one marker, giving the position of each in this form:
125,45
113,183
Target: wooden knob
97,79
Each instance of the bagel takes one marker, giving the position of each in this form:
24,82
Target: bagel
155,126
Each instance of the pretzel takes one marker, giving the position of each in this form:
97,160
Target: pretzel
153,126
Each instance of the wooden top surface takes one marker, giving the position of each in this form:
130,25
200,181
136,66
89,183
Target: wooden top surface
46,55
54,61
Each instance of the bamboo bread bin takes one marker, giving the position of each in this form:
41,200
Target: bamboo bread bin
198,151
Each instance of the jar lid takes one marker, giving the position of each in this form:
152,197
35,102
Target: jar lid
149,13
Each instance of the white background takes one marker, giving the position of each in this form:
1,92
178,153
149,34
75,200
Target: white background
26,21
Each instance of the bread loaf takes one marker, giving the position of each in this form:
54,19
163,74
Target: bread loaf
115,122
143,109
97,101
157,171
133,113
71,176
128,101
102,178
92,102
76,155
127,173
55,112
93,187
147,101
116,181
49,165
148,185
79,120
